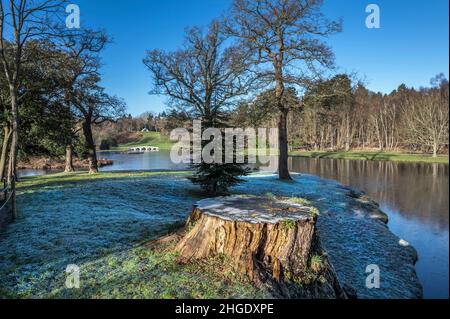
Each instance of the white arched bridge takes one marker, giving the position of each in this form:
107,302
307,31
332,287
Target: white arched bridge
144,149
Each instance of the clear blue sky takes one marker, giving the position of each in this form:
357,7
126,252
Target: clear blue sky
411,47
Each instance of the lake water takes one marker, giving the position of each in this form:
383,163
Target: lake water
415,196
147,161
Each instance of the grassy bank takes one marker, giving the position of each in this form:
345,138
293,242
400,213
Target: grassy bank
147,139
374,156
102,223
78,177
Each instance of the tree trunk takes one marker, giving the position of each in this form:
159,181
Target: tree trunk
15,135
90,146
347,134
283,167
435,150
276,246
69,147
69,159
3,158
11,173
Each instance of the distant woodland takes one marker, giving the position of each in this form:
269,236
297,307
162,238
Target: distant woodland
331,115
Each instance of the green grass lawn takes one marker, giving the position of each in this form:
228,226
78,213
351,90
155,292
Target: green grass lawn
374,156
148,139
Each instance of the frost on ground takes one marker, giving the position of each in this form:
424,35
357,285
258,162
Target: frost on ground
100,225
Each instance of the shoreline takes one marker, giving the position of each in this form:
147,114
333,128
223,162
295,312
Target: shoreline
373,156
164,144
46,163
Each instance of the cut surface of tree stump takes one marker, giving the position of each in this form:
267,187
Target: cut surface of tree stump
272,241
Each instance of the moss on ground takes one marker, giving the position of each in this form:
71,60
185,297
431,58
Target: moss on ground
300,201
313,211
316,263
288,224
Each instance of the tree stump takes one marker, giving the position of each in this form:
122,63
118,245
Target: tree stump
272,241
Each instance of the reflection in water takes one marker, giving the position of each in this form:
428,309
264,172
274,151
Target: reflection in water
414,195
414,189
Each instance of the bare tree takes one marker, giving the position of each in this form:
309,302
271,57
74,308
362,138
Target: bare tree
23,21
283,35
427,118
329,112
204,77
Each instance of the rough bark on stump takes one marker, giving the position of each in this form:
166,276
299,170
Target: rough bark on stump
271,241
